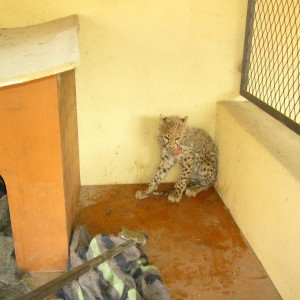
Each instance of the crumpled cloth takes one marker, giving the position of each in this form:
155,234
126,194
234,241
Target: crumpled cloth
126,276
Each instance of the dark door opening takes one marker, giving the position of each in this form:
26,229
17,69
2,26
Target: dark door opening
2,187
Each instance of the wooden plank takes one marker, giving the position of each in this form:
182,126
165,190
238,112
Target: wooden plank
32,52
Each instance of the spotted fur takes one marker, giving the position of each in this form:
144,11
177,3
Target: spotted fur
193,149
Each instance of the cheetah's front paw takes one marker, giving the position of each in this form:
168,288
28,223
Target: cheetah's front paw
140,195
174,198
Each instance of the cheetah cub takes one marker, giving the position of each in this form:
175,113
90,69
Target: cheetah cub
193,149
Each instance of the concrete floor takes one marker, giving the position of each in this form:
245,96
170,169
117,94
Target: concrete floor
196,245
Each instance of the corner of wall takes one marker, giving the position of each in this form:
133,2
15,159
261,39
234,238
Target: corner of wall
259,182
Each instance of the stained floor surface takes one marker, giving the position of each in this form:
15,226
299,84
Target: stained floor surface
196,245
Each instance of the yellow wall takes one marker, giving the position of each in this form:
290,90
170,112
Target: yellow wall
140,59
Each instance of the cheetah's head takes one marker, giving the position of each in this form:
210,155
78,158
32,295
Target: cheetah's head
172,130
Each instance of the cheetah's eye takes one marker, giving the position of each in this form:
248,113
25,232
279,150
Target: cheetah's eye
177,139
166,137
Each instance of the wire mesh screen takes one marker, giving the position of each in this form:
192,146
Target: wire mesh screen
271,71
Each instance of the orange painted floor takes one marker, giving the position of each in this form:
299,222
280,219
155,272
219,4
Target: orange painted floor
196,245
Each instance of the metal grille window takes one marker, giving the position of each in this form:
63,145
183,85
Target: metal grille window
271,70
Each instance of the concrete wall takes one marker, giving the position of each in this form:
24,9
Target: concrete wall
140,59
259,181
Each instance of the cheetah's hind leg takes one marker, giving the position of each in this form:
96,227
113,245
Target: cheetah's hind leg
193,191
206,178
194,187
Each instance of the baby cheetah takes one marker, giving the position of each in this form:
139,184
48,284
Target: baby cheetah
193,149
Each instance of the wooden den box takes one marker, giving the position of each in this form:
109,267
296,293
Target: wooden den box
39,158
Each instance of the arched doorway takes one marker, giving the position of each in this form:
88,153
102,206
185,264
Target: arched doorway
13,283
2,187
5,224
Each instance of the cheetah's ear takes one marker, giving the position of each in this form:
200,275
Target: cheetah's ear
184,120
162,119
